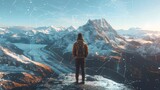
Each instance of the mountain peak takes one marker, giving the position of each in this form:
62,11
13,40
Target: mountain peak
99,22
58,28
71,28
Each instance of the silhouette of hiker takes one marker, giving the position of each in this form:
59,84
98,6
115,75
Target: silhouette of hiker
80,52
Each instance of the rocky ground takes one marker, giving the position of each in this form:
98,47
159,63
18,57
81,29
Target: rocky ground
67,82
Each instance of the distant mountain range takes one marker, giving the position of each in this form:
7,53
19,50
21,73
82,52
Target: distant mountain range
144,42
98,34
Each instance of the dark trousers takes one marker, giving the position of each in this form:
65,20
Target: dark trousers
80,63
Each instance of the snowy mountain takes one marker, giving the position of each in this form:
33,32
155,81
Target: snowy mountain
98,34
100,30
30,52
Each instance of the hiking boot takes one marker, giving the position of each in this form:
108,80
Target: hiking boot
76,82
82,82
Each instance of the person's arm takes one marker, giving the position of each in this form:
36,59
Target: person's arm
86,49
74,51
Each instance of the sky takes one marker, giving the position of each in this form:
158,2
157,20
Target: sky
121,14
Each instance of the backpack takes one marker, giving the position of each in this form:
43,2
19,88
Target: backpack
80,49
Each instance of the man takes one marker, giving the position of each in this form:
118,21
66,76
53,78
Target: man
80,52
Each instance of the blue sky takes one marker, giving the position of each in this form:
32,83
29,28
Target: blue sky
121,14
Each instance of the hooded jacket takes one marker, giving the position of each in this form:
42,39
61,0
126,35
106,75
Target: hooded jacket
74,50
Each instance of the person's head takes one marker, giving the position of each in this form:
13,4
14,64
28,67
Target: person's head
80,37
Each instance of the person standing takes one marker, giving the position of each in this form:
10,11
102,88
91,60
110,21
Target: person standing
80,52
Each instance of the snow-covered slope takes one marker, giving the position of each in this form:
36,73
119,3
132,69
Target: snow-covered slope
17,70
67,82
38,53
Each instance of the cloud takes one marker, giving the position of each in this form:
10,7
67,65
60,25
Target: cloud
150,26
